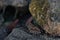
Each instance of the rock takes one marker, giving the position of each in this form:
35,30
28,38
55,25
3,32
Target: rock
19,34
17,3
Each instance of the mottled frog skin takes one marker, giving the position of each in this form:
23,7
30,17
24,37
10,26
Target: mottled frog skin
39,11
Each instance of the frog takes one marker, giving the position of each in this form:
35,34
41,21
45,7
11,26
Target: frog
40,11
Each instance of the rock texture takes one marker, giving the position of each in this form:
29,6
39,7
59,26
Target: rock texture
19,34
14,2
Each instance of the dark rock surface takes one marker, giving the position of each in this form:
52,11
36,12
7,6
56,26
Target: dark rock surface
21,32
